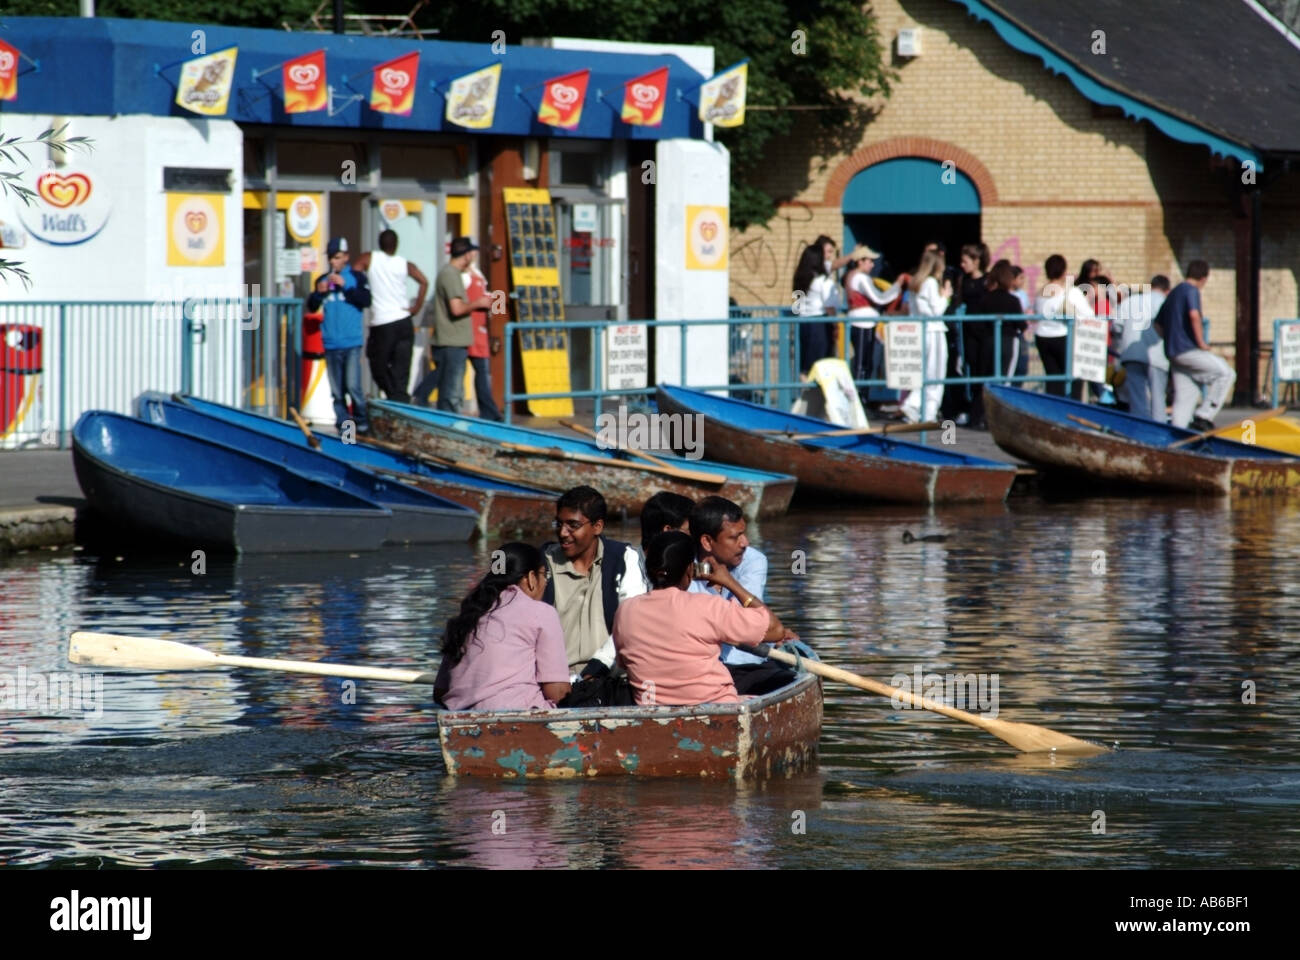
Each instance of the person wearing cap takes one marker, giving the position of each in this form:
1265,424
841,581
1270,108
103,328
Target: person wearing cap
453,328
344,294
864,297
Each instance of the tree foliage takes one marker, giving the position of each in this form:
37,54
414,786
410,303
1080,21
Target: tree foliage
826,71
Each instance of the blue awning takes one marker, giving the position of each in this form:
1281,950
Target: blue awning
106,67
910,185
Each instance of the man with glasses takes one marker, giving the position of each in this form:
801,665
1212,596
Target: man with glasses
590,575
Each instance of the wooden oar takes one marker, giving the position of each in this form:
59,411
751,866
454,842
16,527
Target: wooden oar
1093,426
555,453
864,431
312,440
634,452
116,650
1023,736
1263,415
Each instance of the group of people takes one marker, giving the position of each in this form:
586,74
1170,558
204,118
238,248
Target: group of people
1155,337
377,281
587,620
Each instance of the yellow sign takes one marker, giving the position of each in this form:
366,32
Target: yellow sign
472,100
196,235
706,238
205,83
527,195
722,99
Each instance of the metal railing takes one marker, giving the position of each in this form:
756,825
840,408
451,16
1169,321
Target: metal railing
766,343
60,359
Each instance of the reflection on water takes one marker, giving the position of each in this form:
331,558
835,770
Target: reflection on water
1137,623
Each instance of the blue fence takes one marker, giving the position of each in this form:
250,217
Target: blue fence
764,358
59,359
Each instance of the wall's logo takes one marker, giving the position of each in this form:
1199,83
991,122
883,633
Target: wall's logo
646,95
195,234
196,221
394,81
6,61
392,210
706,238
71,208
304,74
61,191
563,94
304,218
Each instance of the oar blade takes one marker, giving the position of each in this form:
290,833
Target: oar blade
1032,738
116,650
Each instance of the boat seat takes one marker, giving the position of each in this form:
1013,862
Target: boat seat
244,493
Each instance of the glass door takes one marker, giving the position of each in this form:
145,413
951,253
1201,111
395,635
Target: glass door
592,273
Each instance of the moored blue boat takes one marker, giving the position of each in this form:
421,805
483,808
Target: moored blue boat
1101,443
156,482
861,466
418,515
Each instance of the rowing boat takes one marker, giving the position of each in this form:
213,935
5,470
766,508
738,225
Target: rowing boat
759,738
152,481
1104,444
625,483
418,515
869,467
505,510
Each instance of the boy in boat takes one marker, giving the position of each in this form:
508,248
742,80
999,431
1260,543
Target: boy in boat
668,639
590,575
717,528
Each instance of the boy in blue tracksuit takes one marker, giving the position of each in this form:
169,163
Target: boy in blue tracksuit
345,293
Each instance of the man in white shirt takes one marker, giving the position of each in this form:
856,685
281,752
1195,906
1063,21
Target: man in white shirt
1142,351
392,332
1060,299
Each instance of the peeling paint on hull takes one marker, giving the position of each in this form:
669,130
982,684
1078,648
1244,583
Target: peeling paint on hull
769,736
1116,459
847,474
625,488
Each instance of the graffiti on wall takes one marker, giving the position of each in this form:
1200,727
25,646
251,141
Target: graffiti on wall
763,266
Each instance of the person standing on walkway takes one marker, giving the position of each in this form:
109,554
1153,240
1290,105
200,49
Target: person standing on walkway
1190,360
392,330
480,351
864,296
967,293
815,295
999,300
1058,300
453,330
933,292
1142,352
343,293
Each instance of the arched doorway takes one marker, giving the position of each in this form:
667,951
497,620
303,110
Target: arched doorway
899,205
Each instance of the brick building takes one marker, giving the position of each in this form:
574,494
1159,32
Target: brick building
1075,128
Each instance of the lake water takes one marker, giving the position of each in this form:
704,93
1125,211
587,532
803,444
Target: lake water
1141,623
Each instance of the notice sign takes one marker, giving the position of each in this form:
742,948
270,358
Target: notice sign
1288,352
903,369
627,357
1090,349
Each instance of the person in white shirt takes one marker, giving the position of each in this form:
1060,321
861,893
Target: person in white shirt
864,296
1059,299
816,294
933,293
392,332
1142,351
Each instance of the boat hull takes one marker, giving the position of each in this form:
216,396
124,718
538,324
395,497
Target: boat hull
769,736
828,471
625,488
1058,445
143,507
505,511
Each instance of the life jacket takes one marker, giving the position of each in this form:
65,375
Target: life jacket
612,567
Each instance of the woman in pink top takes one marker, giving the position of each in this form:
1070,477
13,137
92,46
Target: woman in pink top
668,639
505,649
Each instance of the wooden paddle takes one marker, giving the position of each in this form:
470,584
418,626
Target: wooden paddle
863,431
555,453
1089,424
442,461
312,440
1023,736
116,650
1263,415
633,451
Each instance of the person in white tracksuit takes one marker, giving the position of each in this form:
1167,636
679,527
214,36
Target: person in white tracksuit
932,293
1142,351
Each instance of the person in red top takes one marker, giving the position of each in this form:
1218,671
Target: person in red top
668,639
481,349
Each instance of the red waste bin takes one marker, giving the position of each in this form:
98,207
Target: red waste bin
20,358
313,348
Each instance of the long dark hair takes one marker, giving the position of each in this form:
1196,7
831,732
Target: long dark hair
667,558
520,559
812,264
